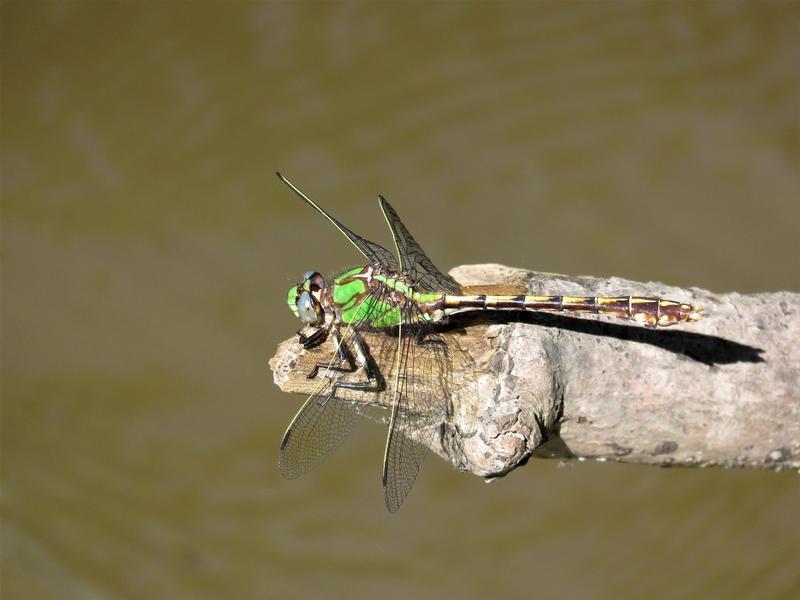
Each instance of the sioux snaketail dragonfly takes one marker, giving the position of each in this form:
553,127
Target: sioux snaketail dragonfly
404,295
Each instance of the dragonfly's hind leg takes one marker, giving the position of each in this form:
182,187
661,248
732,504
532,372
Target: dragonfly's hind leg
425,338
363,360
422,337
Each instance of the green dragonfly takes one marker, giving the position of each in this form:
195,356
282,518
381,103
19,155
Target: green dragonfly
404,296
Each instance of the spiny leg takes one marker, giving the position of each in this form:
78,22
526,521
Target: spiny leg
313,340
423,337
363,360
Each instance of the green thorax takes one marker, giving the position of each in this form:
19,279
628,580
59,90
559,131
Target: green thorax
357,302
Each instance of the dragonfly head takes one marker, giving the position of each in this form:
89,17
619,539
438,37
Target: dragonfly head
304,299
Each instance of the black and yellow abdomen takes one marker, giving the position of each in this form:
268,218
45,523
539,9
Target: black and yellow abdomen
651,312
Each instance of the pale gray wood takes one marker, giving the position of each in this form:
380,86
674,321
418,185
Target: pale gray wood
722,391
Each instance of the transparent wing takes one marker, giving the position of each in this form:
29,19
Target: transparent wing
420,405
324,421
320,427
371,251
414,262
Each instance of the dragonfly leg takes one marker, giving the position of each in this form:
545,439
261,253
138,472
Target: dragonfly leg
374,380
342,354
310,341
362,361
421,340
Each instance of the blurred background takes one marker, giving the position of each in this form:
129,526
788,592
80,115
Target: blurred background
147,247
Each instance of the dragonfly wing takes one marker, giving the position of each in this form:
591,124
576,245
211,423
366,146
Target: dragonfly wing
413,260
420,406
324,421
320,427
371,251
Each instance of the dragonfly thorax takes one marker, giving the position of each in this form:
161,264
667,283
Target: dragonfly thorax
376,296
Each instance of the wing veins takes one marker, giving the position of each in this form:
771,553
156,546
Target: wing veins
304,445
425,275
370,250
419,393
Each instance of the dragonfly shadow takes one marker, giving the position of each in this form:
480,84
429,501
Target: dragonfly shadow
707,349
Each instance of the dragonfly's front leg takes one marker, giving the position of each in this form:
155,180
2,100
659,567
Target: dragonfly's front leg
310,341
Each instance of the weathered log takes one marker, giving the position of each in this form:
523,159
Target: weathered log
724,391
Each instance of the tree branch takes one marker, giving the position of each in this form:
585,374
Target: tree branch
722,391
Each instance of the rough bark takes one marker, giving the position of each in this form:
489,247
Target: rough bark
722,391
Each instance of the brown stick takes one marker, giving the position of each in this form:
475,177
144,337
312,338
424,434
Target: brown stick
722,391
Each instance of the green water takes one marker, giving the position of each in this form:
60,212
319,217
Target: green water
147,248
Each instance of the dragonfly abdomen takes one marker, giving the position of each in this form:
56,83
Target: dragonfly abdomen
652,312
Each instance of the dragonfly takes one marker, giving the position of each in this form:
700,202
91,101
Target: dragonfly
403,297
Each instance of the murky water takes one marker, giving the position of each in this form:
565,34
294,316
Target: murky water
147,248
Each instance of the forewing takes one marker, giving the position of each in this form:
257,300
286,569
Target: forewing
372,252
420,406
414,262
324,421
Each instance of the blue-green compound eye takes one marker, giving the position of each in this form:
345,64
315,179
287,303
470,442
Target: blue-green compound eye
306,308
